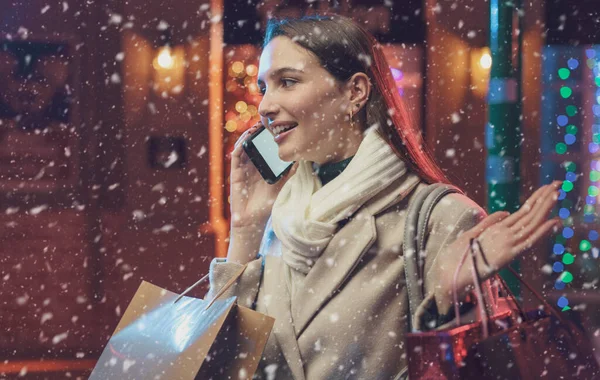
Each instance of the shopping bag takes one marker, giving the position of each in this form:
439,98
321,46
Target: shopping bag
165,336
524,345
542,347
441,354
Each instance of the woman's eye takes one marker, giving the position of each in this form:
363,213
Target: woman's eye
284,81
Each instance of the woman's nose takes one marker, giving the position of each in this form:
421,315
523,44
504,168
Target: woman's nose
267,107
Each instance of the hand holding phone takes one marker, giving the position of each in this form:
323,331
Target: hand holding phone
263,151
251,196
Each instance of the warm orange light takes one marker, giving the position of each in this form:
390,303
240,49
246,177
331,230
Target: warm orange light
231,126
246,116
241,106
231,85
169,70
252,70
237,67
485,61
481,62
248,81
253,88
165,59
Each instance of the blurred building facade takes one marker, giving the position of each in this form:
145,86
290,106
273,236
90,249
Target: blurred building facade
117,118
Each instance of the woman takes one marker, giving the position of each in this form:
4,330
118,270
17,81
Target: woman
332,229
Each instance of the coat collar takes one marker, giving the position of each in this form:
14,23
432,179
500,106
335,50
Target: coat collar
332,269
329,273
344,252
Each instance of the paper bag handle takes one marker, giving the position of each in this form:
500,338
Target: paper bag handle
231,281
191,287
220,293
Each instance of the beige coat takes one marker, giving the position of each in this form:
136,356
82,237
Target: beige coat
346,319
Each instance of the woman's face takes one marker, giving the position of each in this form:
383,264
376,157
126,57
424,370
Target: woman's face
297,90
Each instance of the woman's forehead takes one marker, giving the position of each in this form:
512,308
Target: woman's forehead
282,52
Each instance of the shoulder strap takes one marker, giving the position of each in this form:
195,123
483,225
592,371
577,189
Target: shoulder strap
415,228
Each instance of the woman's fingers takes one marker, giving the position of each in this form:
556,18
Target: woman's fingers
526,207
531,221
530,203
548,226
245,135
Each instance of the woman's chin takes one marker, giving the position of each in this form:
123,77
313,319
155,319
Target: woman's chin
286,156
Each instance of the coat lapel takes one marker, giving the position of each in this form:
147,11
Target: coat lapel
278,306
344,253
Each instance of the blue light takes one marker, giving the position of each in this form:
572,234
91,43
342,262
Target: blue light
562,195
568,232
562,120
559,285
570,139
562,302
588,218
572,177
593,235
558,249
593,147
590,200
573,63
564,213
596,109
558,267
590,53
494,23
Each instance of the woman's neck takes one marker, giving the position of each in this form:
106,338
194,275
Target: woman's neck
348,149
328,172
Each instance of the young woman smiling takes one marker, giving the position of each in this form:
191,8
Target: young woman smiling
330,267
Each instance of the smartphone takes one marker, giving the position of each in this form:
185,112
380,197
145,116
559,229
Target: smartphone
263,152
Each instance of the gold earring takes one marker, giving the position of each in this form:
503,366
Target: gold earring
351,119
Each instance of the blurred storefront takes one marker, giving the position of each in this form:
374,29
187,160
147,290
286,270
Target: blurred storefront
117,118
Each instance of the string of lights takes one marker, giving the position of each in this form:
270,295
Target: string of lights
561,243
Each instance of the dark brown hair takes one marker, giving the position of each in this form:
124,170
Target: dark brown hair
344,48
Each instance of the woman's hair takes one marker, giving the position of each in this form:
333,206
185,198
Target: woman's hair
344,48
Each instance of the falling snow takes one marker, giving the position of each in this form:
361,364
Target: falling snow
116,167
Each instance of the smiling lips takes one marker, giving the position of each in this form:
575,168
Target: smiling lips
283,128
280,136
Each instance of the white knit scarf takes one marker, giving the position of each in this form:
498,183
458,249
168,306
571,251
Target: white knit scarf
305,213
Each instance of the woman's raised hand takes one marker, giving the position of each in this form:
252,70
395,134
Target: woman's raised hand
503,238
252,197
509,238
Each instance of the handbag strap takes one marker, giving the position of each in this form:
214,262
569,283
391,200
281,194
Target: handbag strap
485,316
415,228
529,287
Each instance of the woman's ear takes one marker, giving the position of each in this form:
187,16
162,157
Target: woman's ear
359,89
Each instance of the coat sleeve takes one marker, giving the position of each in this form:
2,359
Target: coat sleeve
453,215
245,288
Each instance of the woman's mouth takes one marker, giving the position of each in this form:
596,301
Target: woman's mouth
282,132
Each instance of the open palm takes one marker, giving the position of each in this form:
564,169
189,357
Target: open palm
503,238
